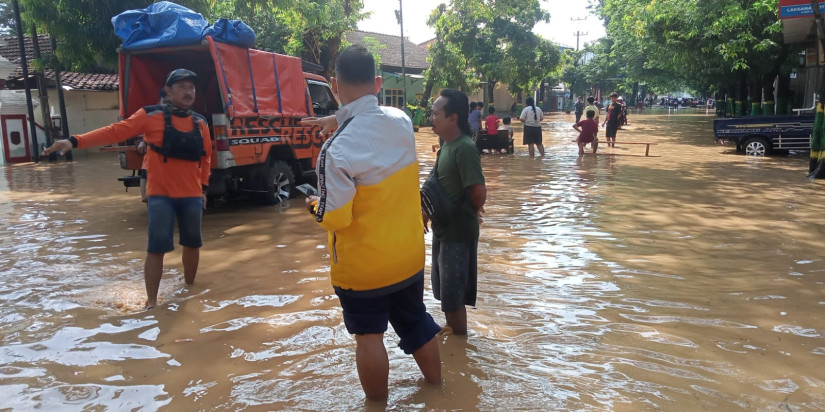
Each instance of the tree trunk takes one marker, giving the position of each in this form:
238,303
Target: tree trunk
329,54
632,99
755,96
783,87
425,95
769,79
491,87
741,94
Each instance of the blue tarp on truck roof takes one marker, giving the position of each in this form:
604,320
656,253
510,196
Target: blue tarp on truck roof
166,24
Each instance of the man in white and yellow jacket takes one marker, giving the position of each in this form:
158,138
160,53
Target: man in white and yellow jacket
369,203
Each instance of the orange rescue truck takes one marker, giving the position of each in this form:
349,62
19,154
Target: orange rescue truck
253,101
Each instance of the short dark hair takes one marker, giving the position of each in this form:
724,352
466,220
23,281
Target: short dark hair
355,65
506,120
590,99
491,110
457,103
480,104
614,94
473,105
590,114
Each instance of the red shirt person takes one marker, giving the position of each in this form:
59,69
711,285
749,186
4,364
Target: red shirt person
491,121
588,130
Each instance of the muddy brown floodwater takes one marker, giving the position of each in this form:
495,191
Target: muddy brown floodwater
692,279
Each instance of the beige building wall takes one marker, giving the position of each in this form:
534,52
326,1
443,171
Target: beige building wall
86,110
502,99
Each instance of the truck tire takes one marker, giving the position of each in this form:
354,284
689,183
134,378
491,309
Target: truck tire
757,146
280,183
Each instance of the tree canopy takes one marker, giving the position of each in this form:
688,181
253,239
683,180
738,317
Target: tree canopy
311,29
489,42
703,45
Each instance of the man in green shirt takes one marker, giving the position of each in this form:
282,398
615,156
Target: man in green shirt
455,240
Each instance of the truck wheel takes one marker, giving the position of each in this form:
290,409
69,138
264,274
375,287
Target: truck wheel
280,183
757,146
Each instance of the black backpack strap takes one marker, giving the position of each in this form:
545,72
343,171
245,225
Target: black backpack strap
167,118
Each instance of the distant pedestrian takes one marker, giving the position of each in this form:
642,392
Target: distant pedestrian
480,106
531,116
455,239
588,130
623,120
578,109
491,122
591,106
369,204
474,119
613,120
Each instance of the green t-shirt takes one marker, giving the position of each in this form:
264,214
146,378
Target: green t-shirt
459,167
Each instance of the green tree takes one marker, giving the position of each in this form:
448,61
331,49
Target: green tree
83,29
311,29
7,22
448,66
495,39
374,46
725,46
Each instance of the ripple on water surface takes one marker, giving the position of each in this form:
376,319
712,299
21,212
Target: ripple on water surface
685,280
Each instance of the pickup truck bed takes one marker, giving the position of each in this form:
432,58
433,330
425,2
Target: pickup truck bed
761,135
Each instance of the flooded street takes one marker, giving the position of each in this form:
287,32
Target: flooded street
693,279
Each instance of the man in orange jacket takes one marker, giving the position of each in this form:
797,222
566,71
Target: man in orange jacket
178,166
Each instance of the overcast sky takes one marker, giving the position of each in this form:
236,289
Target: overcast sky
561,29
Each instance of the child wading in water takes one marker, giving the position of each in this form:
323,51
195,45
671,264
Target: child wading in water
588,129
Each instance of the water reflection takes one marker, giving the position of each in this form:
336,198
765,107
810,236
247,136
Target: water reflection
690,279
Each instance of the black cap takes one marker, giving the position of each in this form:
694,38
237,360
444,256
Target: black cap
181,74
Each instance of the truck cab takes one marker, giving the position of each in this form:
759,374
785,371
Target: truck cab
253,101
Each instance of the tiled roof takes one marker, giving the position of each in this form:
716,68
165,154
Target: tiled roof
415,56
82,81
10,48
88,81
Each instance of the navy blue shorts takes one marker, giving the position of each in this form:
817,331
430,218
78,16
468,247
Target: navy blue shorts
162,213
404,309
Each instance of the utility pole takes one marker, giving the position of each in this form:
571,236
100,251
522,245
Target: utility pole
578,33
399,15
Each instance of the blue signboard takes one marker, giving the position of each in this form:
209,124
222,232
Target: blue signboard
799,10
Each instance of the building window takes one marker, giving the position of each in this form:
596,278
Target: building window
394,97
